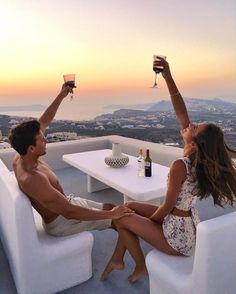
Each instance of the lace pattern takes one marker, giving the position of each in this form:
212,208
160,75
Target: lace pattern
180,232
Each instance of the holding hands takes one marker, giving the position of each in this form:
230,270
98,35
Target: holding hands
121,211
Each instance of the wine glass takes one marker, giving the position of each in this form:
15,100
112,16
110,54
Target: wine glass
70,81
157,69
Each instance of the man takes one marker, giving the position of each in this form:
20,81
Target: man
62,215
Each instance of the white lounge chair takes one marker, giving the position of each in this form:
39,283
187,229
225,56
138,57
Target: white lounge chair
211,270
39,263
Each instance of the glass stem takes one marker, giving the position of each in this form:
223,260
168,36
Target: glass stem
155,80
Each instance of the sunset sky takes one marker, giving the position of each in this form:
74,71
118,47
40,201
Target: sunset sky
109,45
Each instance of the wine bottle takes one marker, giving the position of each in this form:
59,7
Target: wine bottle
148,165
141,164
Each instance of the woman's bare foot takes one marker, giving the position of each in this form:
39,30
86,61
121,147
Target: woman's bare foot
112,265
138,273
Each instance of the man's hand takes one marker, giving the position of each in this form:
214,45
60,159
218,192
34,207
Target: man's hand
121,211
65,90
50,112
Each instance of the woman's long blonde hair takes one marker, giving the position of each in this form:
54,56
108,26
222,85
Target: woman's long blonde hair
215,170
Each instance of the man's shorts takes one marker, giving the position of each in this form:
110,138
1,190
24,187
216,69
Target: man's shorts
62,226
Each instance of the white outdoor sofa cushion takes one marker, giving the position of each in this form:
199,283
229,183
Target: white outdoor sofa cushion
39,263
211,270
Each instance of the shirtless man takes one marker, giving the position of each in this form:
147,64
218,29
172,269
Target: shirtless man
62,215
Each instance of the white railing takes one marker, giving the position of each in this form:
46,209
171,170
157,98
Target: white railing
159,153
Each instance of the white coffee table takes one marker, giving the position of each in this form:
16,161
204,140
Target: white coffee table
125,179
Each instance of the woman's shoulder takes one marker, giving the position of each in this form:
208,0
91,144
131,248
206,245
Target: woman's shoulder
178,165
182,163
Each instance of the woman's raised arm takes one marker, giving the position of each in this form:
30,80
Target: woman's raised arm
176,97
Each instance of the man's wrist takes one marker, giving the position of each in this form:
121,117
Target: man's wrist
109,214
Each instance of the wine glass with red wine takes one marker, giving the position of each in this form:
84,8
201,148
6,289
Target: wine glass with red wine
157,69
70,81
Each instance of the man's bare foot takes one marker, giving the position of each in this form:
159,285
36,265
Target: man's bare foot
137,274
112,265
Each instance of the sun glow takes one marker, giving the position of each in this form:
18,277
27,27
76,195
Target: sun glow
109,48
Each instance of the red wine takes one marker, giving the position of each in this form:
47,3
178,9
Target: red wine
157,69
148,165
71,84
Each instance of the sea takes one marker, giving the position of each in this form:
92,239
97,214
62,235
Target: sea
72,110
80,108
75,109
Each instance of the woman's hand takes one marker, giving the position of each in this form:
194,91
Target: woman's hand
156,219
161,62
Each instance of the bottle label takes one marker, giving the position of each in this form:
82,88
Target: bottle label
147,164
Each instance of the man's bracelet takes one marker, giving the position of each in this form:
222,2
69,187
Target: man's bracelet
175,94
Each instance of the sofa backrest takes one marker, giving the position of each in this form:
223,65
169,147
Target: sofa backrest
214,267
17,227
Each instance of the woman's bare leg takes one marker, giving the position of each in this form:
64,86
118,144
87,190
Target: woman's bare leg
131,227
116,262
131,242
142,208
148,230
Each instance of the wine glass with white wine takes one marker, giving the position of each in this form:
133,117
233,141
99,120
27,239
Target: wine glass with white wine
70,81
157,69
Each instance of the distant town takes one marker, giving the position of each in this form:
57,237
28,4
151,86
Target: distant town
155,124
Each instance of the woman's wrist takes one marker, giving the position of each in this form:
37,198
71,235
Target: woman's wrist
167,76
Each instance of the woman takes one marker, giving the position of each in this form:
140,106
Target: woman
205,169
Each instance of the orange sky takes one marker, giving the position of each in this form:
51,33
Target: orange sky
109,46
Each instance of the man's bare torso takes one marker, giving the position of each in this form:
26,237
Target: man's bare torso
44,170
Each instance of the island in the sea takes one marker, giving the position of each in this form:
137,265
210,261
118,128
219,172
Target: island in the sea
155,124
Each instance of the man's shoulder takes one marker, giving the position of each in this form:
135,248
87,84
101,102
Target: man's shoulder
15,159
33,178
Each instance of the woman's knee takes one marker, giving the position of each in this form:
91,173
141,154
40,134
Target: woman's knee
107,206
124,222
131,204
117,223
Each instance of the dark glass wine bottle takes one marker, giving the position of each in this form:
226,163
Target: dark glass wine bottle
148,165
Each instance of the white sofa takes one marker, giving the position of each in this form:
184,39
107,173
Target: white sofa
211,270
39,262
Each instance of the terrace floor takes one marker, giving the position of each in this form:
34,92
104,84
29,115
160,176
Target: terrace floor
74,181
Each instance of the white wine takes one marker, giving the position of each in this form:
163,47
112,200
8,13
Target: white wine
141,164
148,165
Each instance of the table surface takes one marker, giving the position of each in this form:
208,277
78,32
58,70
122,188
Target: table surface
125,179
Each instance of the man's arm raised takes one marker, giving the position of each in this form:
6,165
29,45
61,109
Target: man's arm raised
56,202
50,112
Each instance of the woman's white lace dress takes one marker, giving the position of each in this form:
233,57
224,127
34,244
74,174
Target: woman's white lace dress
180,232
